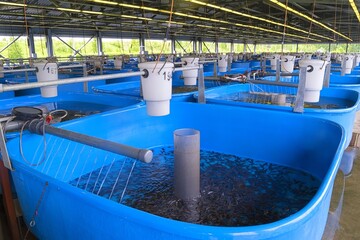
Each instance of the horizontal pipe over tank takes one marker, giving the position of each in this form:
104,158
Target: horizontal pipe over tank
13,87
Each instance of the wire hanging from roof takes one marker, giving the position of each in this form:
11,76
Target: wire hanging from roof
166,34
284,32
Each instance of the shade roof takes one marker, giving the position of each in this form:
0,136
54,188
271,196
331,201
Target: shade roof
260,21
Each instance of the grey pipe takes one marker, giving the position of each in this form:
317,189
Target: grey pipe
185,68
273,83
72,66
144,155
13,87
19,70
187,163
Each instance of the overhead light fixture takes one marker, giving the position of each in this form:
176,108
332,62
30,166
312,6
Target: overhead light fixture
67,9
13,4
308,18
91,12
257,18
135,17
354,7
210,19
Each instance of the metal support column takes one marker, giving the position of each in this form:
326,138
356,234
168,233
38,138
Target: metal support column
142,44
99,44
232,47
194,46
173,48
254,48
347,47
49,43
200,45
31,45
216,47
297,47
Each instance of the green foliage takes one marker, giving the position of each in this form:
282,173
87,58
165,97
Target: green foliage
155,46
19,49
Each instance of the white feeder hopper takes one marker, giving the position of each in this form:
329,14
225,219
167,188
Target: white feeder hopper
47,71
307,56
357,60
1,69
190,76
314,78
273,60
326,57
223,62
287,64
348,63
118,62
157,87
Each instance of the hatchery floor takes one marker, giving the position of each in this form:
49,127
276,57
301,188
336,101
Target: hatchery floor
346,229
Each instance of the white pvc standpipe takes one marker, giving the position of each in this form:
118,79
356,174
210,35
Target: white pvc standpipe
273,61
47,71
314,78
187,163
190,76
157,87
287,64
223,62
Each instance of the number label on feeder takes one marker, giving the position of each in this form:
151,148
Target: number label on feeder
51,70
167,76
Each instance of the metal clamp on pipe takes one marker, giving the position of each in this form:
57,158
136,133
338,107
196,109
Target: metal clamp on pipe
145,155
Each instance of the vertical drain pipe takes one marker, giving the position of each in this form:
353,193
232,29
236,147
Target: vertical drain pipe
187,163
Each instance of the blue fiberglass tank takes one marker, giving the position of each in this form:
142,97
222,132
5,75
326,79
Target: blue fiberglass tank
338,105
348,81
180,92
68,212
73,87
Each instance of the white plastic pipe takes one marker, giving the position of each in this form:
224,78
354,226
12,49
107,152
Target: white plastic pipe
18,70
72,66
14,87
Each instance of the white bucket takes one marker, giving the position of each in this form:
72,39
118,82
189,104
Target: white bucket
278,99
222,63
287,63
118,62
98,62
348,63
1,69
157,87
47,71
357,60
307,56
190,76
326,57
273,61
314,78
